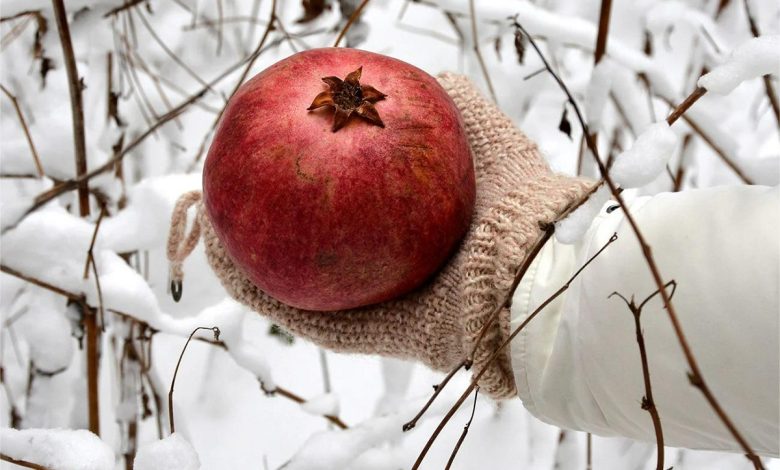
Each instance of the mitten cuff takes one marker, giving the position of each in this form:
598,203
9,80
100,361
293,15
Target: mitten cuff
499,241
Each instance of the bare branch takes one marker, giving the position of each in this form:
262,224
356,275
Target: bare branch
22,463
335,420
465,431
122,8
26,130
354,16
475,39
436,391
214,330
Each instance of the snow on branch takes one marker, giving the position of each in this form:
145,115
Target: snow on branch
647,158
172,453
754,58
57,448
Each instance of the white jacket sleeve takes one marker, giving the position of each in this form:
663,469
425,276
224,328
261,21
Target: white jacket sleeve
577,364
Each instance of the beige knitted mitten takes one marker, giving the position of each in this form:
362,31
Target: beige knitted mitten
437,324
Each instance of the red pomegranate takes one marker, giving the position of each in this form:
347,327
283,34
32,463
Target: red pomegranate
339,178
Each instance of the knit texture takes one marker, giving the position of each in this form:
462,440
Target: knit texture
438,324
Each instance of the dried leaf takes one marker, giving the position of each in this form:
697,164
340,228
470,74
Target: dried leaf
340,118
565,126
520,43
369,112
323,99
371,94
312,9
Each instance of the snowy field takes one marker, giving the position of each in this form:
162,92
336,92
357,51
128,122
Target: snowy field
139,62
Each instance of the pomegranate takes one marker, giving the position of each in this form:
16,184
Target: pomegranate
339,178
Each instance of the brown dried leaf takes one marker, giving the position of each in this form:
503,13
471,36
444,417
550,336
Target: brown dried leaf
323,99
368,111
371,94
354,77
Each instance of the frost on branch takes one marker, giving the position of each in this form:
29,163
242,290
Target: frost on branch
57,448
754,58
172,453
646,159
571,229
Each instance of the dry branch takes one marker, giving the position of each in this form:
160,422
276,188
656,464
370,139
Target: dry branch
21,463
26,130
475,40
79,140
436,391
352,18
648,403
213,329
335,420
465,431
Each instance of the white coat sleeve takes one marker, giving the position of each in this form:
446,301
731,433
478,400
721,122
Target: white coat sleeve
577,364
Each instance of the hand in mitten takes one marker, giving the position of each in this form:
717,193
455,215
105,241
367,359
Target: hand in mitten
439,323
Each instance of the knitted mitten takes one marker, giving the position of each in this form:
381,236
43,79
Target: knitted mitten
437,324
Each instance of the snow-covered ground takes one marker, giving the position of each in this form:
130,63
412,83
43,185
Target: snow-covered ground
223,419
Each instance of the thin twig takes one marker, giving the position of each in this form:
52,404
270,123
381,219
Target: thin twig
603,33
648,403
436,391
710,141
22,463
214,330
250,62
92,241
475,39
173,56
680,109
465,431
499,349
26,130
298,399
354,16
695,376
589,452
122,8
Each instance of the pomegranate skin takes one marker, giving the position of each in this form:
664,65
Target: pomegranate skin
324,220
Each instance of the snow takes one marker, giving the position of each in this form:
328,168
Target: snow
599,86
46,330
571,229
754,58
646,158
172,453
57,448
325,404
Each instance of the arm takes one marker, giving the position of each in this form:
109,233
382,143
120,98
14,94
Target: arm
578,366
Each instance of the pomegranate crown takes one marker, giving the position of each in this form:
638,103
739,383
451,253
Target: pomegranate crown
349,96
